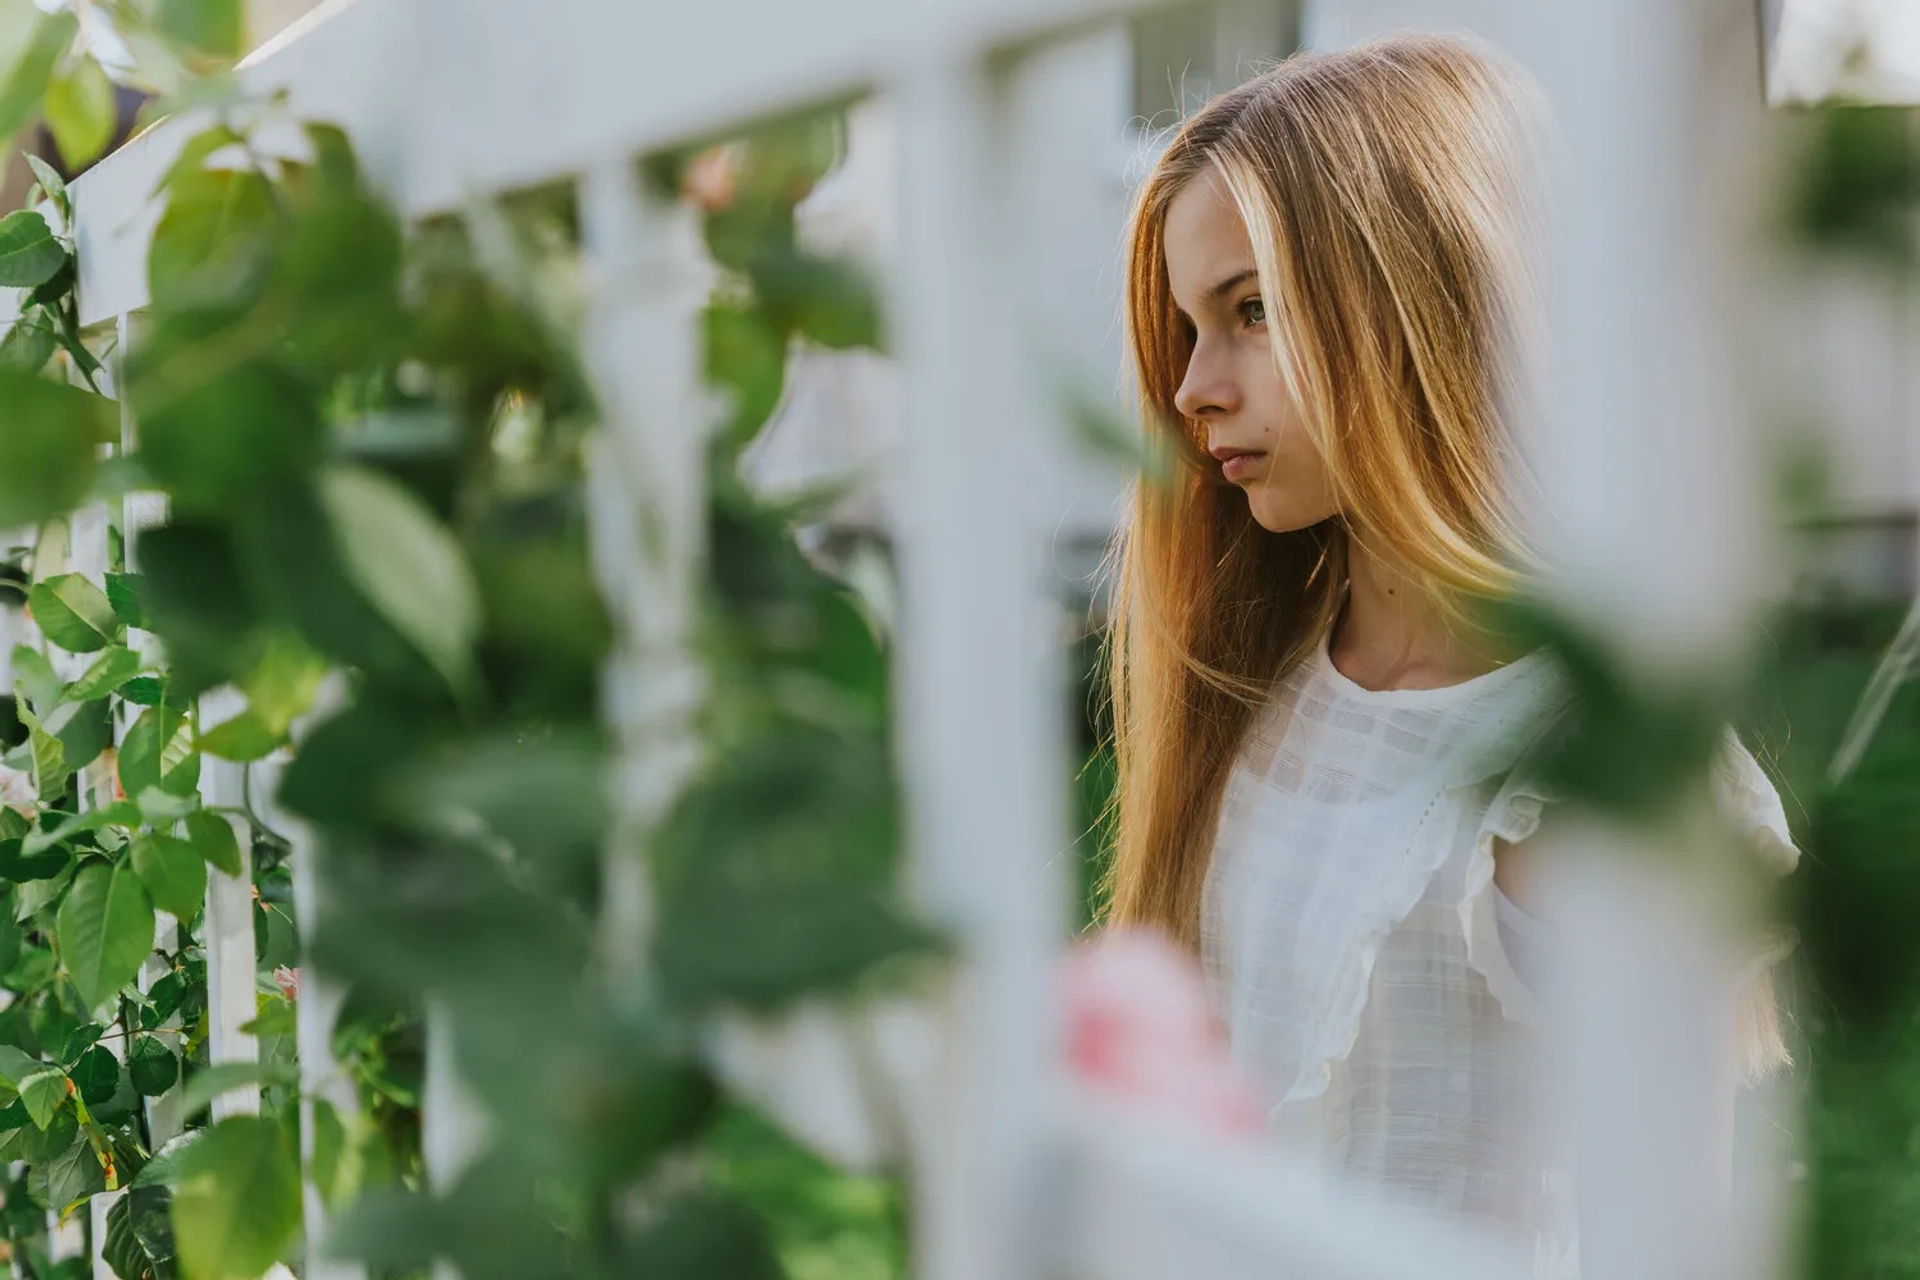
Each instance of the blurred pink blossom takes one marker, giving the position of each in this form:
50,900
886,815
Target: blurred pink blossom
713,177
1138,1028
289,980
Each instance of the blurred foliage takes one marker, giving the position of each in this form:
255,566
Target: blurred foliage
373,443
1858,183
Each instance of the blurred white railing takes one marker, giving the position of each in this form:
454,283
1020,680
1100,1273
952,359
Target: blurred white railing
453,100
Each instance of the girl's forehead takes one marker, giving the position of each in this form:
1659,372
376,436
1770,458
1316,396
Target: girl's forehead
1206,240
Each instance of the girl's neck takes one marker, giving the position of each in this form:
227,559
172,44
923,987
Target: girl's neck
1390,634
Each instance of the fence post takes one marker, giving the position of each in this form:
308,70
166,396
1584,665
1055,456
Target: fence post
1656,499
646,505
227,933
983,712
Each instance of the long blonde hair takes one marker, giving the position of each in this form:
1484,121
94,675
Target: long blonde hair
1382,188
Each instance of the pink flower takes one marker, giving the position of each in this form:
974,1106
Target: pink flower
289,980
713,177
1138,1028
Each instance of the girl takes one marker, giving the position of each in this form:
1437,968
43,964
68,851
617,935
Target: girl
1325,768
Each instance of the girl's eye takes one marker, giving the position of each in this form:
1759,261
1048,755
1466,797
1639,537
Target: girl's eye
1253,311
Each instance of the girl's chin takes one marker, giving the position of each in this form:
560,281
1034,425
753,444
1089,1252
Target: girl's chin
1283,517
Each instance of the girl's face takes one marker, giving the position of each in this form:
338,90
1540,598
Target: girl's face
1232,388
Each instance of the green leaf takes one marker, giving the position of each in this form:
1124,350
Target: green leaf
213,836
121,813
80,111
164,1169
122,1250
21,868
174,873
214,27
208,1083
47,454
125,591
75,614
109,671
163,807
74,1175
29,343
26,83
49,758
236,1200
150,1208
43,1091
96,1075
29,255
152,1066
144,691
158,752
408,564
52,184
84,729
283,683
245,737
34,676
163,999
104,930
279,1018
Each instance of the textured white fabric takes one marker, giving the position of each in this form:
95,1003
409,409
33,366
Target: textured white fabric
1350,930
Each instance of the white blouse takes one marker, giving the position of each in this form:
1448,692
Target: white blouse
1354,940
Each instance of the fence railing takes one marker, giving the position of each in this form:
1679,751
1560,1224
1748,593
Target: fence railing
451,102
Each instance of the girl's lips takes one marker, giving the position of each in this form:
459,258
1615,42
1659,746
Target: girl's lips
1238,466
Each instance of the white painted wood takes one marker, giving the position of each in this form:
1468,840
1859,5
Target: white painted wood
322,1080
647,512
1140,1199
450,97
227,928
97,1210
1658,499
982,735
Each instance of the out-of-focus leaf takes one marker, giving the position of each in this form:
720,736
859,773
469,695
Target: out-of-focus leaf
236,1200
208,1083
210,244
29,255
215,28
408,564
211,438
75,614
245,737
29,343
283,683
104,929
47,451
80,111
26,82
174,873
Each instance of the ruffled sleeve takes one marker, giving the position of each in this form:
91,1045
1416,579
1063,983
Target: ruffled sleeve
1742,791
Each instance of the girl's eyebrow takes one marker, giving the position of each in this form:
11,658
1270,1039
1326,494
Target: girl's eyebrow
1222,289
1231,283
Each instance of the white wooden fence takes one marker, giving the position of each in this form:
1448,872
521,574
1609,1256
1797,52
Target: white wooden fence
1016,1176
